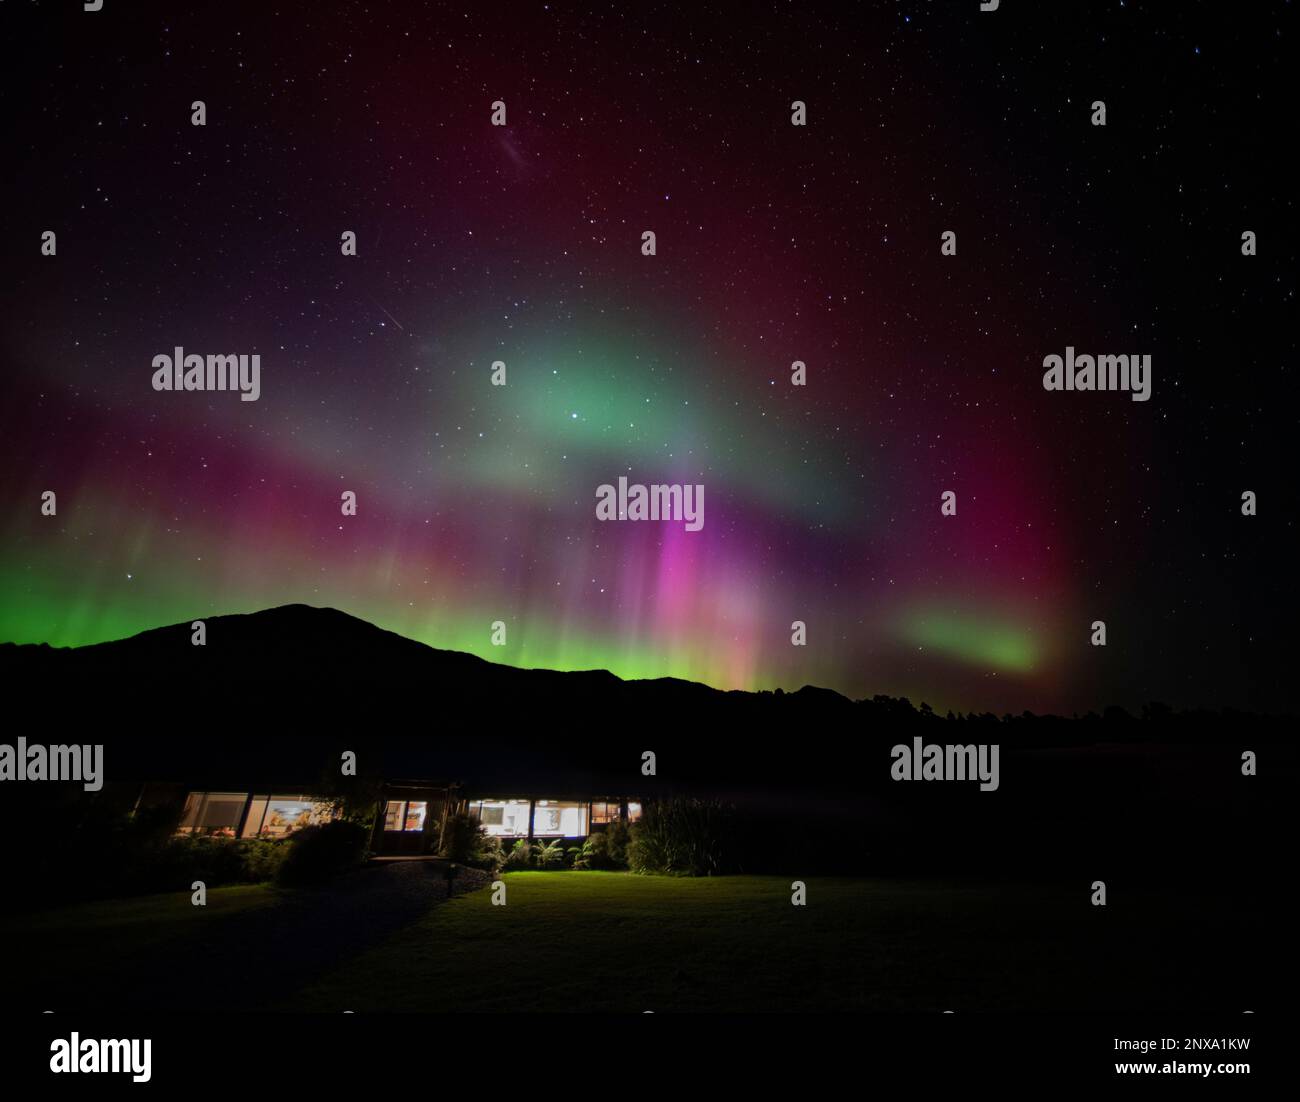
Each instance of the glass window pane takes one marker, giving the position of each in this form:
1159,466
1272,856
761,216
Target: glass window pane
415,813
221,815
285,814
558,817
394,813
504,818
190,819
256,815
633,811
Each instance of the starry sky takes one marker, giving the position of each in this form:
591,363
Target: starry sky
774,243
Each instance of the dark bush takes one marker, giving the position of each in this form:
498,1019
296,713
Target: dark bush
685,836
521,856
618,836
487,854
177,864
263,858
150,827
605,849
467,843
318,853
459,835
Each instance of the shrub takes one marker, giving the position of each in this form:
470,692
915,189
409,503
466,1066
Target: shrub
176,865
487,854
650,850
617,838
262,858
536,854
460,835
606,849
521,856
549,855
685,837
317,853
467,843
150,827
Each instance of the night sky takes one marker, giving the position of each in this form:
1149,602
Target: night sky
775,243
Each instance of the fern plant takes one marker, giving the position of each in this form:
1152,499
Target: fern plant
549,855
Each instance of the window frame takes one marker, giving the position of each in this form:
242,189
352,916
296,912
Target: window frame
201,829
613,812
559,807
403,817
475,809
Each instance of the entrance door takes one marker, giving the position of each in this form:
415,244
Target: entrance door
410,827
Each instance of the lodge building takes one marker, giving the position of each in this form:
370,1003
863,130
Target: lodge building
411,814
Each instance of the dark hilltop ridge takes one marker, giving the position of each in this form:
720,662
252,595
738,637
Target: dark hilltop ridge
275,696
320,661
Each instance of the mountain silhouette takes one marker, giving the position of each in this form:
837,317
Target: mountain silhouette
300,647
299,663
278,694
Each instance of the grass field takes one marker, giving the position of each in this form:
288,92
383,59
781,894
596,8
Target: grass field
602,942
614,942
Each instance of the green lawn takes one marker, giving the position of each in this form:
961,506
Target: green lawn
617,942
599,942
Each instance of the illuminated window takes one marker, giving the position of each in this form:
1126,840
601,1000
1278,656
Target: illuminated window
415,813
403,816
256,816
190,817
633,811
605,811
502,818
213,814
557,817
280,816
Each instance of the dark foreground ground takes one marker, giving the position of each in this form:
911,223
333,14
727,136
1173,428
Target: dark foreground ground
250,947
387,939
